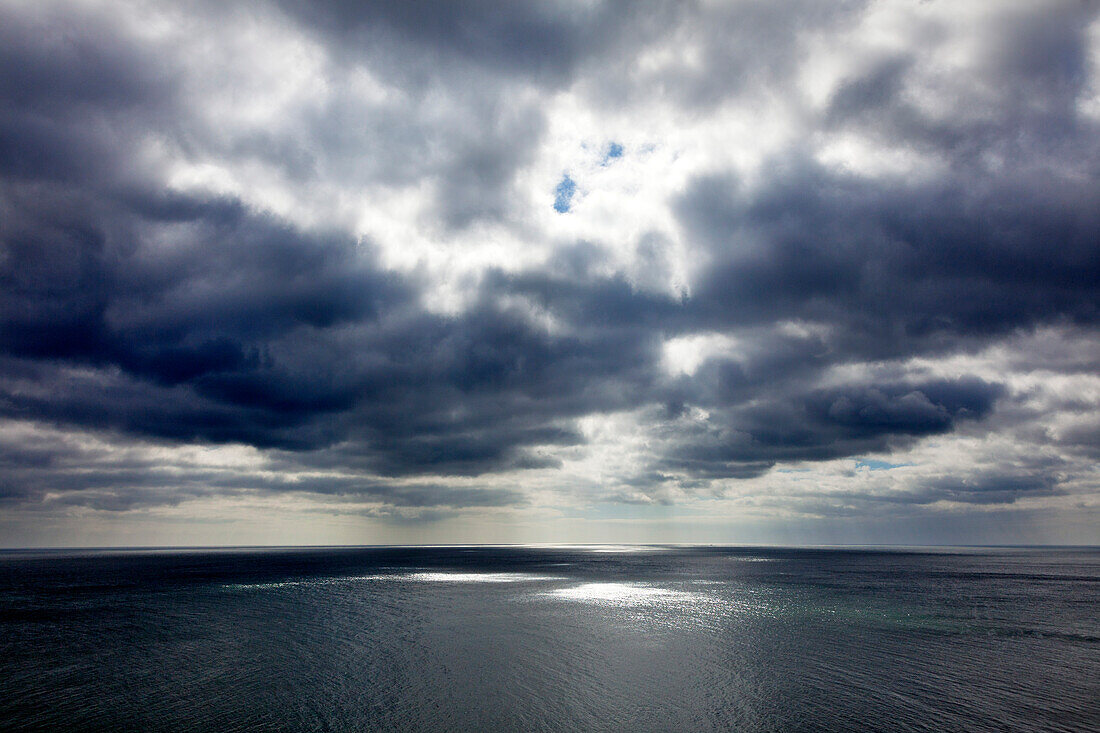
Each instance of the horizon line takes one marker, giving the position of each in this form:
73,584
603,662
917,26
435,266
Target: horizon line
533,545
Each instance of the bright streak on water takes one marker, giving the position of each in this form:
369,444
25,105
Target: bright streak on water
621,594
421,577
473,577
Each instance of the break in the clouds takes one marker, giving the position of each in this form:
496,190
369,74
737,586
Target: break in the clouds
497,271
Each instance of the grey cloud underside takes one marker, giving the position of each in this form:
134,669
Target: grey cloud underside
545,43
132,310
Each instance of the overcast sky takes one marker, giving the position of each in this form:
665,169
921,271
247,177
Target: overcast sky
759,271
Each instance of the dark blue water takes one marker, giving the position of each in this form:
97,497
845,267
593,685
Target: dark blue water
630,639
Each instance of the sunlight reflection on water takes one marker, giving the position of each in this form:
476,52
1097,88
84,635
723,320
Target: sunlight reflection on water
475,577
623,594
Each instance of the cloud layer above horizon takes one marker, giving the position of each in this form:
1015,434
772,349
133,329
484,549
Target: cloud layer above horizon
437,269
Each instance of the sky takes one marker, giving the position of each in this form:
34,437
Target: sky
756,271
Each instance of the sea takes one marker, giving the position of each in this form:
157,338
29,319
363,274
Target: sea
538,638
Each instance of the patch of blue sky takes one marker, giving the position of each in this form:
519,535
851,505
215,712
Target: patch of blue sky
874,465
563,194
614,150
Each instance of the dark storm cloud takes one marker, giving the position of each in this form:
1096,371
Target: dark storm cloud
1003,488
210,321
218,323
133,310
319,365
897,266
116,486
747,435
80,282
542,42
52,469
68,81
984,489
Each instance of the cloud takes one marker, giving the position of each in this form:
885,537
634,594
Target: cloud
905,266
332,236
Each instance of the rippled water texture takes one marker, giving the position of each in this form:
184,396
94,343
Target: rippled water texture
583,638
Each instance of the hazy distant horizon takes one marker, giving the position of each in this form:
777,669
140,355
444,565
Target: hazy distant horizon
547,545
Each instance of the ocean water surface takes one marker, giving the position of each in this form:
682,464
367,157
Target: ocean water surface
550,639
